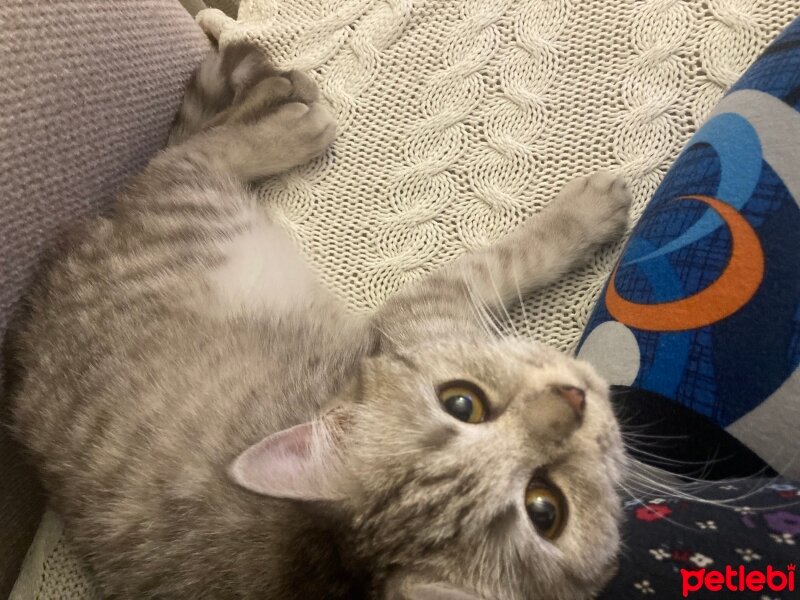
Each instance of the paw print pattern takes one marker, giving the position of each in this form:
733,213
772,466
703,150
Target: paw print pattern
660,553
783,538
701,560
665,535
748,554
644,587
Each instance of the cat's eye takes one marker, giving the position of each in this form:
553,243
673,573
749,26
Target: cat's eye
463,400
547,508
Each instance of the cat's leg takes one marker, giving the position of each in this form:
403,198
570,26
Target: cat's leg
190,214
225,79
587,213
223,123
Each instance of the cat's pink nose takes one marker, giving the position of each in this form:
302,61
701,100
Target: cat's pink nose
574,397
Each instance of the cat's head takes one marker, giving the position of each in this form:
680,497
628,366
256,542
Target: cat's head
467,470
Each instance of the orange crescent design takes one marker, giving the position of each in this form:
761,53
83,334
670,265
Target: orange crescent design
734,287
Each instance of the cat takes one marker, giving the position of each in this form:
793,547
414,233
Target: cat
211,423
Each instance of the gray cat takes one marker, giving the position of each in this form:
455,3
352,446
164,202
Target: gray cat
212,424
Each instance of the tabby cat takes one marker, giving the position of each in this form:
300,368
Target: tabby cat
212,424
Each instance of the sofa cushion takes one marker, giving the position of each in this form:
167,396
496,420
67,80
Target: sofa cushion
90,88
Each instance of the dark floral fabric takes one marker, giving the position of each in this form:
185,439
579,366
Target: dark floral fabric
758,530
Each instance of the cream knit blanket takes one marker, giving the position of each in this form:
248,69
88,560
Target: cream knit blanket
461,118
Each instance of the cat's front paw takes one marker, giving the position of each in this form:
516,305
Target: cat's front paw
266,96
237,85
264,121
264,145
296,133
601,200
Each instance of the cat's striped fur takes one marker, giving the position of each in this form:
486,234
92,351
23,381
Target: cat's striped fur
184,329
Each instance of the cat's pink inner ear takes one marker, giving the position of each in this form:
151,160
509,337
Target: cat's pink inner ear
298,463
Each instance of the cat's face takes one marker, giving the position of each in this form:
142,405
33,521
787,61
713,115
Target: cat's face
480,469
472,469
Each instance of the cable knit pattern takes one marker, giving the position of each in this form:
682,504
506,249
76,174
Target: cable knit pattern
459,120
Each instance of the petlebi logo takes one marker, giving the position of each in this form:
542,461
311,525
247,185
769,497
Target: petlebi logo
738,580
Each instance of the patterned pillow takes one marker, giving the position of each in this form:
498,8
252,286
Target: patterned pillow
699,322
678,548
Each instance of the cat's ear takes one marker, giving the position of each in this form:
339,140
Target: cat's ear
303,462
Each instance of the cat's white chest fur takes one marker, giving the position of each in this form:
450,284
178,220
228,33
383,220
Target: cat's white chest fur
263,273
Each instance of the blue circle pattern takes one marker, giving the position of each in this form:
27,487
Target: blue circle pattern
680,247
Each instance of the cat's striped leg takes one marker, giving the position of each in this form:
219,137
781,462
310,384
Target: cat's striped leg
225,79
241,119
587,213
192,218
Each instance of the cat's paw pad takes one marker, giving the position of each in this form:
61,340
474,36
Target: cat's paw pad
234,73
267,95
303,131
237,84
602,200
252,79
303,87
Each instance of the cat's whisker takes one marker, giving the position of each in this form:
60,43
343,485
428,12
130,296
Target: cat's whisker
485,321
685,488
647,436
643,502
665,460
500,301
479,316
527,331
385,334
685,485
484,316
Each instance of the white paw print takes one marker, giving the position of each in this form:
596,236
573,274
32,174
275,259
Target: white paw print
706,525
657,501
747,554
644,586
701,560
783,538
744,510
659,553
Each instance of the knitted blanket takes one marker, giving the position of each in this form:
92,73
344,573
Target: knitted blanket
459,120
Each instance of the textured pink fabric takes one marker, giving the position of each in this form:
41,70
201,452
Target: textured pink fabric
88,90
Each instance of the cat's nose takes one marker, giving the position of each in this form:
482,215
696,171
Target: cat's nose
574,397
554,414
